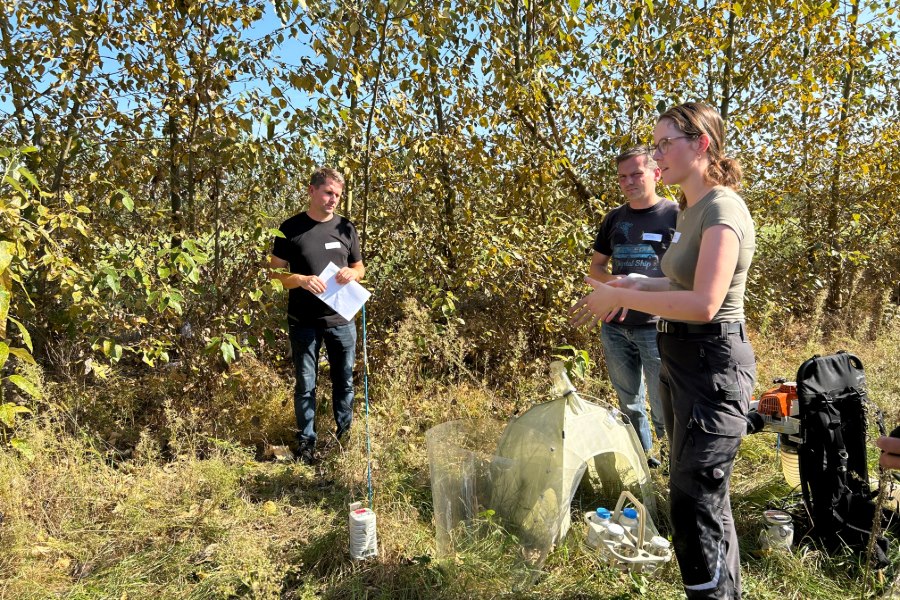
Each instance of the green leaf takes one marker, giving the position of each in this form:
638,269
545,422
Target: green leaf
112,350
26,337
9,411
30,177
23,355
112,280
7,250
649,4
574,5
15,185
4,305
22,448
25,385
127,200
227,351
4,353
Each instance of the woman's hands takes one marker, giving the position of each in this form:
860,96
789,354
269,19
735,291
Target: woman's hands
604,303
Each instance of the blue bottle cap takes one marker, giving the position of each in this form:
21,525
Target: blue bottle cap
603,513
629,513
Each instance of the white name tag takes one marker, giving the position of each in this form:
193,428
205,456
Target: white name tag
332,245
652,237
676,237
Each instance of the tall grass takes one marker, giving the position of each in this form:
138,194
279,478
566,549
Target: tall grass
188,513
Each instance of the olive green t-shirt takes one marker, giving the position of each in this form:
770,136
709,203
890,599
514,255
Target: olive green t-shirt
721,206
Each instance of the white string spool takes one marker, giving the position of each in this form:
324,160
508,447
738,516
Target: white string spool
363,536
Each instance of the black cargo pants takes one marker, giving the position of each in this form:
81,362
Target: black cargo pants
707,377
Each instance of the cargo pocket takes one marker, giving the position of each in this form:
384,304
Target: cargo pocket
723,413
706,459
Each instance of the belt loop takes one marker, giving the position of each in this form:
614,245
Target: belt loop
723,331
743,332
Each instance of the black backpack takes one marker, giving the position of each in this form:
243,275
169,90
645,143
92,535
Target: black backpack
831,392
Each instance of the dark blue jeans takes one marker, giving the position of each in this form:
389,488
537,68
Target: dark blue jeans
340,344
629,351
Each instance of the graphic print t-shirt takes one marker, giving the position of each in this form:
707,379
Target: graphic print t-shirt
636,240
309,246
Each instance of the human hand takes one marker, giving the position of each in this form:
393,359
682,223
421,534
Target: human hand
629,282
313,284
890,457
601,304
346,275
634,281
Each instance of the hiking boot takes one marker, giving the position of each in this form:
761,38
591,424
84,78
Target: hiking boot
653,462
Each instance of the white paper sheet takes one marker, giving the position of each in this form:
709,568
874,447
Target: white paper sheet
345,299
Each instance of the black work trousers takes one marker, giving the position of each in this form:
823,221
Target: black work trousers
705,384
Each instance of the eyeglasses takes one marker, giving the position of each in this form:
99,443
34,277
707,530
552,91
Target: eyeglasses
666,143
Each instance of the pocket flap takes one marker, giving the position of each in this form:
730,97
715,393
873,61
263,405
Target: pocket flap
719,420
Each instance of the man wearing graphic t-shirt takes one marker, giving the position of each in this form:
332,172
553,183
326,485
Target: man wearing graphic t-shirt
312,239
635,236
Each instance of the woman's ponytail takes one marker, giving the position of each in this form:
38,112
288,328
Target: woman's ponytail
724,171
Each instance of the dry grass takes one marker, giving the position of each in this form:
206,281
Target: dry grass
188,515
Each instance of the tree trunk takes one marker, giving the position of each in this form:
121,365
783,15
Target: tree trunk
75,113
729,69
349,145
448,200
367,161
13,75
174,171
834,299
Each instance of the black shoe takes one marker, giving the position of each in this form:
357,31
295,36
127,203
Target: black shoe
306,454
653,462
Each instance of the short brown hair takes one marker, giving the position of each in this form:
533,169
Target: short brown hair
323,174
696,118
639,150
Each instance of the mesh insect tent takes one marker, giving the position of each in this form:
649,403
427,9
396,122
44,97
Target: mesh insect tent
527,473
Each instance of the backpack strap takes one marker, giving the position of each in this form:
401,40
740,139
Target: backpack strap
828,420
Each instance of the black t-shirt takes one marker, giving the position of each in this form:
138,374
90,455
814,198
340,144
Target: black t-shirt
309,246
636,240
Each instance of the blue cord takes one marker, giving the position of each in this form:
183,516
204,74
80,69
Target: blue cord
366,396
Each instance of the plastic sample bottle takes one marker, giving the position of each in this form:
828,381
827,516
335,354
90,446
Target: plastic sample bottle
629,521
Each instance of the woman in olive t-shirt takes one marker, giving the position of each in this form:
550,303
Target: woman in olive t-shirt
708,366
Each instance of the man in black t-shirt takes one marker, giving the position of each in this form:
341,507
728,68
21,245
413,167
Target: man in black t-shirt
313,239
635,236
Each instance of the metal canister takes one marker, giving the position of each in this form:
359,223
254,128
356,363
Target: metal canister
778,532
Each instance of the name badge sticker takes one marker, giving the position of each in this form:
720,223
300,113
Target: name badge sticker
676,237
652,237
332,245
